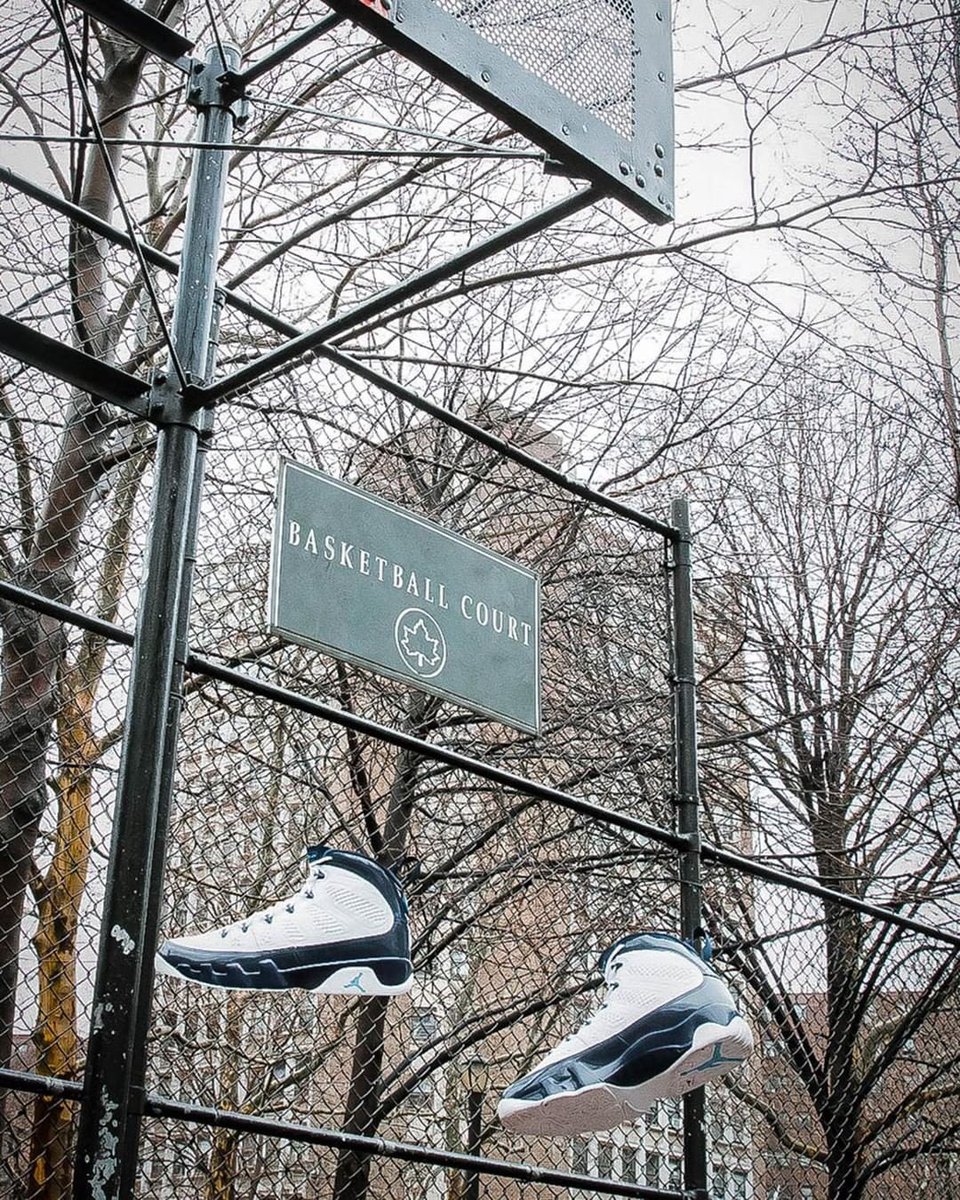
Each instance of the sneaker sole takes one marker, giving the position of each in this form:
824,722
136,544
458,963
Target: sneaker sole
716,1050
373,977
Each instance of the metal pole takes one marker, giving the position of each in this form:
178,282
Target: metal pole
111,1114
688,809
471,1178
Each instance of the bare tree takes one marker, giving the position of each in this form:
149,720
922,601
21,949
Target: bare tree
843,711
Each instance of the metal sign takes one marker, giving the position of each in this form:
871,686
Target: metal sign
368,582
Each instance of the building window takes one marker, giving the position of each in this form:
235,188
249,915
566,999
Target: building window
421,1094
605,1160
675,1168
651,1170
628,1170
579,1157
423,1026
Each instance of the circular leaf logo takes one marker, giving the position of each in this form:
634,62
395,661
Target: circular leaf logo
420,643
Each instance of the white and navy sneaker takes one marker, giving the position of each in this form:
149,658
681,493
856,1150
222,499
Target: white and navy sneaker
344,933
667,1024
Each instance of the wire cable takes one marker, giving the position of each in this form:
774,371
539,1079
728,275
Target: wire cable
216,36
270,148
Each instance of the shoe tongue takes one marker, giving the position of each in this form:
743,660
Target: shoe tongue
611,956
609,966
317,857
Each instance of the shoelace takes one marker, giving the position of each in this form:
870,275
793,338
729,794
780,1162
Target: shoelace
268,914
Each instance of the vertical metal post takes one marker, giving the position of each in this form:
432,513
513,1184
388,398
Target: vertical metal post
476,1082
688,808
108,1133
471,1183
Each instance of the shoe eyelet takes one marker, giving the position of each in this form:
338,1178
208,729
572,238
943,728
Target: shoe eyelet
244,927
268,918
309,893
288,907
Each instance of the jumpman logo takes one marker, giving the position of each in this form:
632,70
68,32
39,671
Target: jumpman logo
716,1059
355,982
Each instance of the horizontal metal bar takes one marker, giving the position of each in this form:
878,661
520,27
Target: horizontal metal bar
95,224
256,312
450,758
157,1106
389,297
502,447
165,261
63,612
240,304
205,667
141,28
248,148
749,866
73,366
212,670
40,1085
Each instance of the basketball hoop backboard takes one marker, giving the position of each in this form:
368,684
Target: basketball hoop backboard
590,81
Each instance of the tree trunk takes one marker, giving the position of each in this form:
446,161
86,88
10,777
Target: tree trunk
33,644
55,1035
361,1116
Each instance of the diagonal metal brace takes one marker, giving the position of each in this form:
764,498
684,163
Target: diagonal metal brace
73,366
140,28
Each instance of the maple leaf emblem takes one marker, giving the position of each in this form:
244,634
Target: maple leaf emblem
419,646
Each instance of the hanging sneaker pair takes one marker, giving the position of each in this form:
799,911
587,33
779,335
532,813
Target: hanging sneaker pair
344,933
667,1025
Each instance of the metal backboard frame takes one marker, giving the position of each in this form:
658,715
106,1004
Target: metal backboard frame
591,81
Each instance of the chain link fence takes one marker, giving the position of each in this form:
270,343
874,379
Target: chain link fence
513,894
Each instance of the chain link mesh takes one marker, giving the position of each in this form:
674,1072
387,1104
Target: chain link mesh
852,1089
586,51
